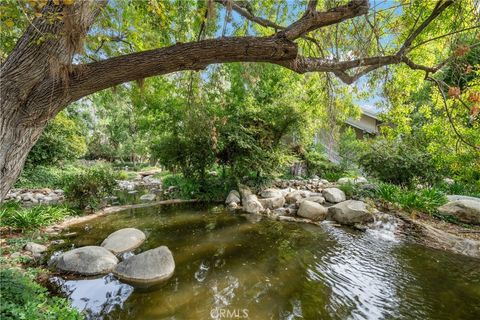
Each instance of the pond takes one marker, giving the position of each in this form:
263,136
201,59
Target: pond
239,266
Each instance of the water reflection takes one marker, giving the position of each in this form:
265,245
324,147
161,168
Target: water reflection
279,270
95,297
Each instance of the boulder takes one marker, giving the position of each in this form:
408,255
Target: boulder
334,195
357,180
454,197
312,210
449,181
147,268
295,196
123,240
280,212
35,248
345,180
233,197
232,206
272,203
150,180
467,211
148,197
271,193
245,192
350,212
90,260
361,180
317,199
252,205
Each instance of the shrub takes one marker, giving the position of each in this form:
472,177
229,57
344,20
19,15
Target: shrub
61,140
214,188
22,298
88,188
46,176
424,200
400,162
12,215
318,164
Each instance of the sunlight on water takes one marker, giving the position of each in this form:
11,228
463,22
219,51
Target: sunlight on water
233,266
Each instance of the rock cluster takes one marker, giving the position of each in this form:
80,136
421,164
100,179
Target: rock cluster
146,268
29,197
304,200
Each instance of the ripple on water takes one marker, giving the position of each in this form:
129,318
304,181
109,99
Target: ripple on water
279,271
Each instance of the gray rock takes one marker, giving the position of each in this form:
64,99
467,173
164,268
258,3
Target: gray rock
90,260
295,196
312,210
357,180
449,181
233,197
271,193
123,240
272,203
467,211
150,180
454,197
252,205
148,197
35,248
280,212
232,206
317,199
245,192
334,195
350,212
147,268
345,180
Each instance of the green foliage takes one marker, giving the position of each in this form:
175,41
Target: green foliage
399,161
424,200
22,298
318,164
89,187
62,139
349,149
47,176
214,188
462,188
12,215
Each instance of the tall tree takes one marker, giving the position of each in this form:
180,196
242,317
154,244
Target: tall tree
43,74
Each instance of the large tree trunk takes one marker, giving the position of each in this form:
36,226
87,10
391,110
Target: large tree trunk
15,143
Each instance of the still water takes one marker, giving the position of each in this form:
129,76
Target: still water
231,266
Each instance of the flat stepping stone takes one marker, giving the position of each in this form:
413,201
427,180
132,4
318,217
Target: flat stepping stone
90,260
147,268
124,240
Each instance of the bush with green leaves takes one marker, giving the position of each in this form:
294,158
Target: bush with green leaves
14,216
62,139
318,164
425,200
213,188
399,161
41,176
88,188
22,298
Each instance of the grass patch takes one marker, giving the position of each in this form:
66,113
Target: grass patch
423,200
14,216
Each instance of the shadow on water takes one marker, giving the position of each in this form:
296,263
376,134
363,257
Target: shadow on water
271,270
